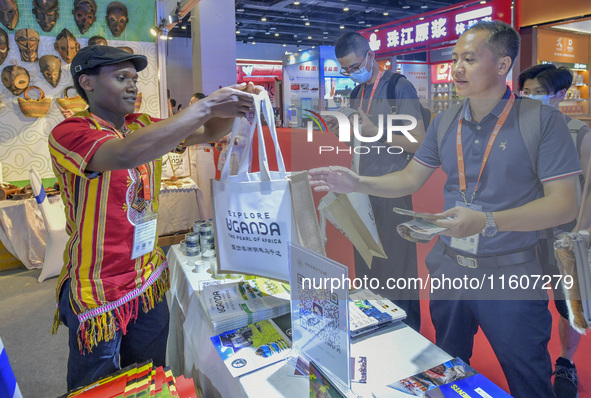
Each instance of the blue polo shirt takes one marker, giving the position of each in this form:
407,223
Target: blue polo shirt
508,179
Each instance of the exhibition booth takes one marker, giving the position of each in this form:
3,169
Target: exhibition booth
300,86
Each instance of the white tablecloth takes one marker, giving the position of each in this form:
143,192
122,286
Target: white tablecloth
179,206
392,353
22,230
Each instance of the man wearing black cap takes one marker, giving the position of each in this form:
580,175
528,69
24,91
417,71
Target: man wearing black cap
111,291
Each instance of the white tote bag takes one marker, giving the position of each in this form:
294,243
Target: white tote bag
253,211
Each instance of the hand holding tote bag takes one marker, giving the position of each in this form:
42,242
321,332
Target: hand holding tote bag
253,211
572,253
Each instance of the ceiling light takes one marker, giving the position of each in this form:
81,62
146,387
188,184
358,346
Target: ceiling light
240,9
368,25
250,37
154,31
385,13
237,32
285,45
309,37
406,6
483,2
296,3
424,6
361,22
376,30
325,37
276,34
324,33
421,18
346,8
305,17
307,23
254,43
183,27
342,27
313,46
299,41
267,32
264,18
272,28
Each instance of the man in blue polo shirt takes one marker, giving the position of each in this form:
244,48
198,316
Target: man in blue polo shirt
493,211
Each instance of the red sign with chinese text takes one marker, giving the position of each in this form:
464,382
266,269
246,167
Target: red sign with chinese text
434,28
441,73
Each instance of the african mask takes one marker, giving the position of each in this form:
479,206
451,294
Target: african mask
8,13
15,78
116,17
127,49
4,47
51,69
66,45
84,13
27,41
97,41
46,12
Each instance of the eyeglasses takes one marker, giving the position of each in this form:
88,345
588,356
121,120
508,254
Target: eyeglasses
353,69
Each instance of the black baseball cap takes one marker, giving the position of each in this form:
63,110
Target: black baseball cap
93,56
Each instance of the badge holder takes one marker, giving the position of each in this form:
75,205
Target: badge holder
144,235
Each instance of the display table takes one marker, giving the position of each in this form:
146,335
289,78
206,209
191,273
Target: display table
22,230
392,354
179,206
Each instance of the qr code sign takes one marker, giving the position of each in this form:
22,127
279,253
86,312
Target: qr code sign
319,315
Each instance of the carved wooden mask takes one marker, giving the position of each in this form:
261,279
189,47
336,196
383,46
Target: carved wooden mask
66,45
46,12
27,41
4,47
97,41
8,13
116,17
84,13
51,69
15,78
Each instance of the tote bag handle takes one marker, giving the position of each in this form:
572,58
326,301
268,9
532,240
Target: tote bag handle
263,108
583,196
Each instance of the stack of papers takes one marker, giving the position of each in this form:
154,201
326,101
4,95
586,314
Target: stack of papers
238,304
369,311
254,346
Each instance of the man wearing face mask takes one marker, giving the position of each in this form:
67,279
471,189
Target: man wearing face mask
380,93
549,84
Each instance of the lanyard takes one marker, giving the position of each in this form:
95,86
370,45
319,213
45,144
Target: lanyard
141,169
373,91
491,141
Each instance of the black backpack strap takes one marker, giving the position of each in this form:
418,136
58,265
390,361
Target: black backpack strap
447,119
392,88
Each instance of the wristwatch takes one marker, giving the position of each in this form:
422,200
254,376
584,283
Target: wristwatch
490,228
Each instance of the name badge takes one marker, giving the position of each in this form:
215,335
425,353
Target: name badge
469,244
144,236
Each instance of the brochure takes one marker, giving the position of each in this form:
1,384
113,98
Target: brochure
369,311
418,230
257,345
447,372
473,386
238,304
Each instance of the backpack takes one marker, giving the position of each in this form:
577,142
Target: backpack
425,112
530,126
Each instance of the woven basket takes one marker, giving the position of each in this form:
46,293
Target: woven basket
75,104
34,107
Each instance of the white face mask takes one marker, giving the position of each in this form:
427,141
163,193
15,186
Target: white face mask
544,98
362,75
